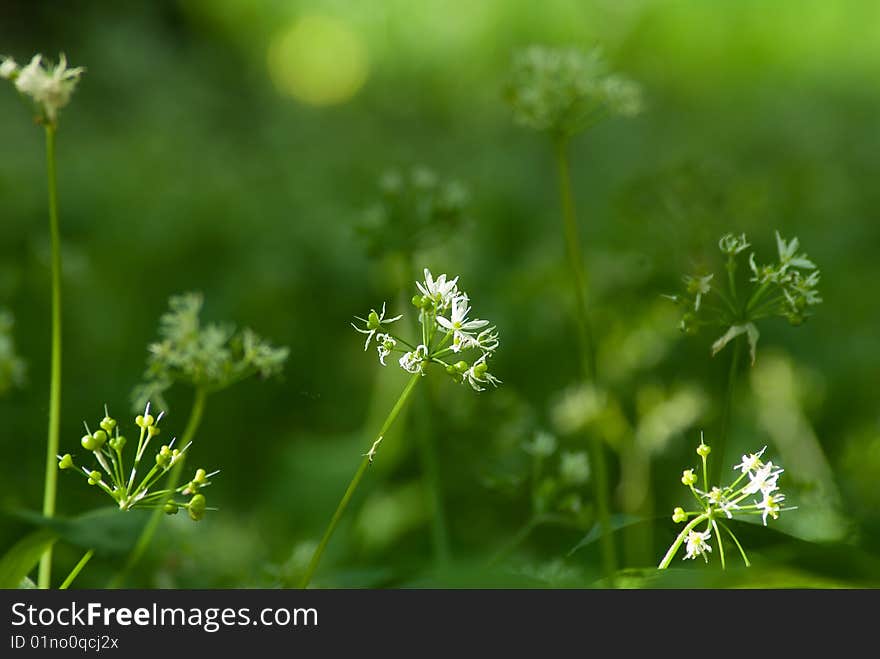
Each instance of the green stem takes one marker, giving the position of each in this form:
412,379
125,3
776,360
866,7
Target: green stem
352,486
77,569
520,536
431,468
588,353
738,546
146,536
727,410
50,488
720,544
428,446
670,554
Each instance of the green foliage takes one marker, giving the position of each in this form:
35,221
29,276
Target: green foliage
416,209
785,288
210,357
23,556
12,367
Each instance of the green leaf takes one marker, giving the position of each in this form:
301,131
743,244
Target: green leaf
23,556
618,522
106,530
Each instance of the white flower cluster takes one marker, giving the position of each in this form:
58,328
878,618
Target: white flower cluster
719,503
49,88
447,331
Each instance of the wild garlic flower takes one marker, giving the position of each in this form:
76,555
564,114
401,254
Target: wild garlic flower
107,446
48,87
209,357
565,90
447,332
416,208
12,368
715,505
784,288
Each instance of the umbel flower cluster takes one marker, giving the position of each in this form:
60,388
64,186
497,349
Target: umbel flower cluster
565,90
754,492
107,446
415,209
48,87
784,288
449,335
210,357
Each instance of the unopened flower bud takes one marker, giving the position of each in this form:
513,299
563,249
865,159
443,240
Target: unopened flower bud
688,477
66,462
678,515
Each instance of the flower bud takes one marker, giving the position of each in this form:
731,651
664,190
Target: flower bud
688,477
144,421
108,424
117,443
196,507
163,457
170,508
94,478
94,441
66,462
678,515
373,320
703,450
461,366
152,431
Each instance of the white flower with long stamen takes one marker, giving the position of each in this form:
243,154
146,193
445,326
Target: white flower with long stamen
414,361
698,545
769,505
751,462
763,479
478,375
385,343
440,291
373,323
459,325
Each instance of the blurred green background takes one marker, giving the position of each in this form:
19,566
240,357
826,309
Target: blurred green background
233,147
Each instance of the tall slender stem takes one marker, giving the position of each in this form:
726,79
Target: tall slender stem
146,536
428,446
588,353
50,488
355,481
76,570
727,410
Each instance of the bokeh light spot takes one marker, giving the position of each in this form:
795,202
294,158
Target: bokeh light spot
318,60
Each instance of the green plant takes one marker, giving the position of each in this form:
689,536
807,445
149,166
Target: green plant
48,89
447,336
561,92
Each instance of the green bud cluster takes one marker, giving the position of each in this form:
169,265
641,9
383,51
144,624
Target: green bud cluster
107,446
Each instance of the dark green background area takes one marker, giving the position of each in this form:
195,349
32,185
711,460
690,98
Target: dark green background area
182,167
